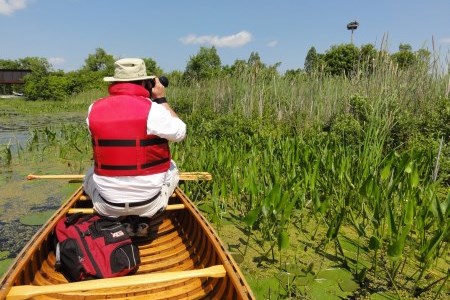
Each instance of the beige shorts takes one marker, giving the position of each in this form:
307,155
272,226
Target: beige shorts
146,210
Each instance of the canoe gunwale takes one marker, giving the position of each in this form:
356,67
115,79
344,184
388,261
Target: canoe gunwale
228,262
22,269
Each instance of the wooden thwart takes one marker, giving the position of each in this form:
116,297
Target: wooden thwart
26,291
91,210
183,176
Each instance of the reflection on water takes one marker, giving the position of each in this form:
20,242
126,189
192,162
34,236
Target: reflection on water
14,138
15,129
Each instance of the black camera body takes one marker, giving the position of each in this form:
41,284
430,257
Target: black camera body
149,84
163,79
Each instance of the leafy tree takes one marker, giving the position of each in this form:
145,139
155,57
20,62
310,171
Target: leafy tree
312,61
175,77
227,70
37,84
423,55
54,86
271,71
90,76
205,64
342,59
100,61
237,68
152,67
43,83
82,80
405,47
367,57
404,57
9,64
254,61
36,65
291,74
255,64
257,68
57,88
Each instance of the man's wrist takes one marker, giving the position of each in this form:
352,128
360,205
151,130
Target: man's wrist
160,100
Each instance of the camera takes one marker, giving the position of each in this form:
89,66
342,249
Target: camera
163,79
149,84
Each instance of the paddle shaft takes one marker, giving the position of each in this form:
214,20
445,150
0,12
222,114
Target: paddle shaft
91,210
26,291
183,176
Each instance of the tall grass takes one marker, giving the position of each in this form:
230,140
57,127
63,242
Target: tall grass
355,153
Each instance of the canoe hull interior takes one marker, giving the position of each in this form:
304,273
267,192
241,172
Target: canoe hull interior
180,240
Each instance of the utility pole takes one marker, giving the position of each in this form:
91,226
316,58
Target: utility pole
352,26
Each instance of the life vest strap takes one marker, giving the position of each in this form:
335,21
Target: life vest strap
134,167
128,143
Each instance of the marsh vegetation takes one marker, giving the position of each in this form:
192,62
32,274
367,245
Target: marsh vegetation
325,186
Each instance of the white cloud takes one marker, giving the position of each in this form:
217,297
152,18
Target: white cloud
7,7
56,61
272,43
445,40
233,41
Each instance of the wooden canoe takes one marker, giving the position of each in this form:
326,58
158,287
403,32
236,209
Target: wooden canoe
184,259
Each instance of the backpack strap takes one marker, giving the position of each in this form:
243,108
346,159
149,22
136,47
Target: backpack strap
58,257
72,219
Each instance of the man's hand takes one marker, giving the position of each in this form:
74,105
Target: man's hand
158,91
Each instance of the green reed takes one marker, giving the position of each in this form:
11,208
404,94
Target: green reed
350,153
6,155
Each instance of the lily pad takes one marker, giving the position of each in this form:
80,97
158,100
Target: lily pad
294,269
304,280
334,274
383,296
238,258
4,254
263,286
206,208
348,285
37,218
4,265
340,277
326,289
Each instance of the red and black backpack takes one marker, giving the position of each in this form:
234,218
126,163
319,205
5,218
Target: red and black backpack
91,246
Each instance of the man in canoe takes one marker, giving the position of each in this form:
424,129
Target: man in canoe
133,172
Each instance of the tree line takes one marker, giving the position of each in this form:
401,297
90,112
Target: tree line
46,83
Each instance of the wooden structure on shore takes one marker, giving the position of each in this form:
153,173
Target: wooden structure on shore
13,76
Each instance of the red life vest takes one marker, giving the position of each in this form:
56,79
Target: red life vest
121,145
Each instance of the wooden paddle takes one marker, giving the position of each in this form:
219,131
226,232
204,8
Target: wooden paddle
183,176
26,291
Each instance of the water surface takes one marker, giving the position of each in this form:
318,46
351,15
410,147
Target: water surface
18,196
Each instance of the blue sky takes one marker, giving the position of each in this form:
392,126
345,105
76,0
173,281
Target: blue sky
170,32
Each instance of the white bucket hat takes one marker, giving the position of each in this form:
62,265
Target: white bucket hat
129,69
